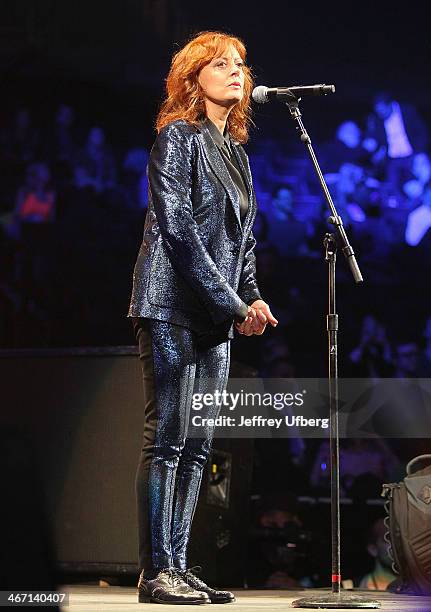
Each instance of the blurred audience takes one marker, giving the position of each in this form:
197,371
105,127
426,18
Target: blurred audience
134,178
279,544
406,359
95,164
62,142
381,574
20,141
419,220
420,176
346,147
64,188
285,229
396,132
33,226
365,464
372,357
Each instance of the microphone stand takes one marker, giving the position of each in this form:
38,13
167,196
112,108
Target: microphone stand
336,599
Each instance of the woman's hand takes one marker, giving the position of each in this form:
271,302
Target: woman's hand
248,326
259,314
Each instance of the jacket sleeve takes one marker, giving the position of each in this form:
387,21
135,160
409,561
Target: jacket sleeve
248,289
170,179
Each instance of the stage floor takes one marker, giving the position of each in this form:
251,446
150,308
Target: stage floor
93,598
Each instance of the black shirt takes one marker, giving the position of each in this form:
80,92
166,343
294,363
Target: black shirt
224,145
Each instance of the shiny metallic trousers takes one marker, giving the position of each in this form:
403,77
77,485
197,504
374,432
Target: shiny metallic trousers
169,473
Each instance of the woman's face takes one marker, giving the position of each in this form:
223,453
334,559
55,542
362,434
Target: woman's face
222,80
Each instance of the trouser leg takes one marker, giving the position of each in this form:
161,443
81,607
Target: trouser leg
212,370
169,362
143,335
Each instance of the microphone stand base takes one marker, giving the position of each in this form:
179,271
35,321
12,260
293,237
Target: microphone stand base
335,601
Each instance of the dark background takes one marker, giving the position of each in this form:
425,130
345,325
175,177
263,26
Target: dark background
111,58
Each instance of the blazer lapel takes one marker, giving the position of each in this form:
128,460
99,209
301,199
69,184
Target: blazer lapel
216,162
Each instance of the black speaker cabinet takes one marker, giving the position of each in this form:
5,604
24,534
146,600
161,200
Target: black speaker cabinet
82,410
220,527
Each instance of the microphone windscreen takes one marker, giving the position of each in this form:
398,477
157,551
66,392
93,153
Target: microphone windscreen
259,94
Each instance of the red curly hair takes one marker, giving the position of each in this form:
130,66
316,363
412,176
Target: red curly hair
185,98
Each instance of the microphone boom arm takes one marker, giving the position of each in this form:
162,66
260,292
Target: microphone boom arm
335,218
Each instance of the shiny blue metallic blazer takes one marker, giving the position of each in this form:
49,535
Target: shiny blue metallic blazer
196,265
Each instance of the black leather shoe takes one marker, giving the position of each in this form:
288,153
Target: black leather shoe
189,576
169,588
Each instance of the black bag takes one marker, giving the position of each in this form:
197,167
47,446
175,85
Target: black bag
408,521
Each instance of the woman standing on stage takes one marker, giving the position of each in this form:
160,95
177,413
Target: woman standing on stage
194,280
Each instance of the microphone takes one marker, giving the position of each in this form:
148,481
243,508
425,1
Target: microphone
262,94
